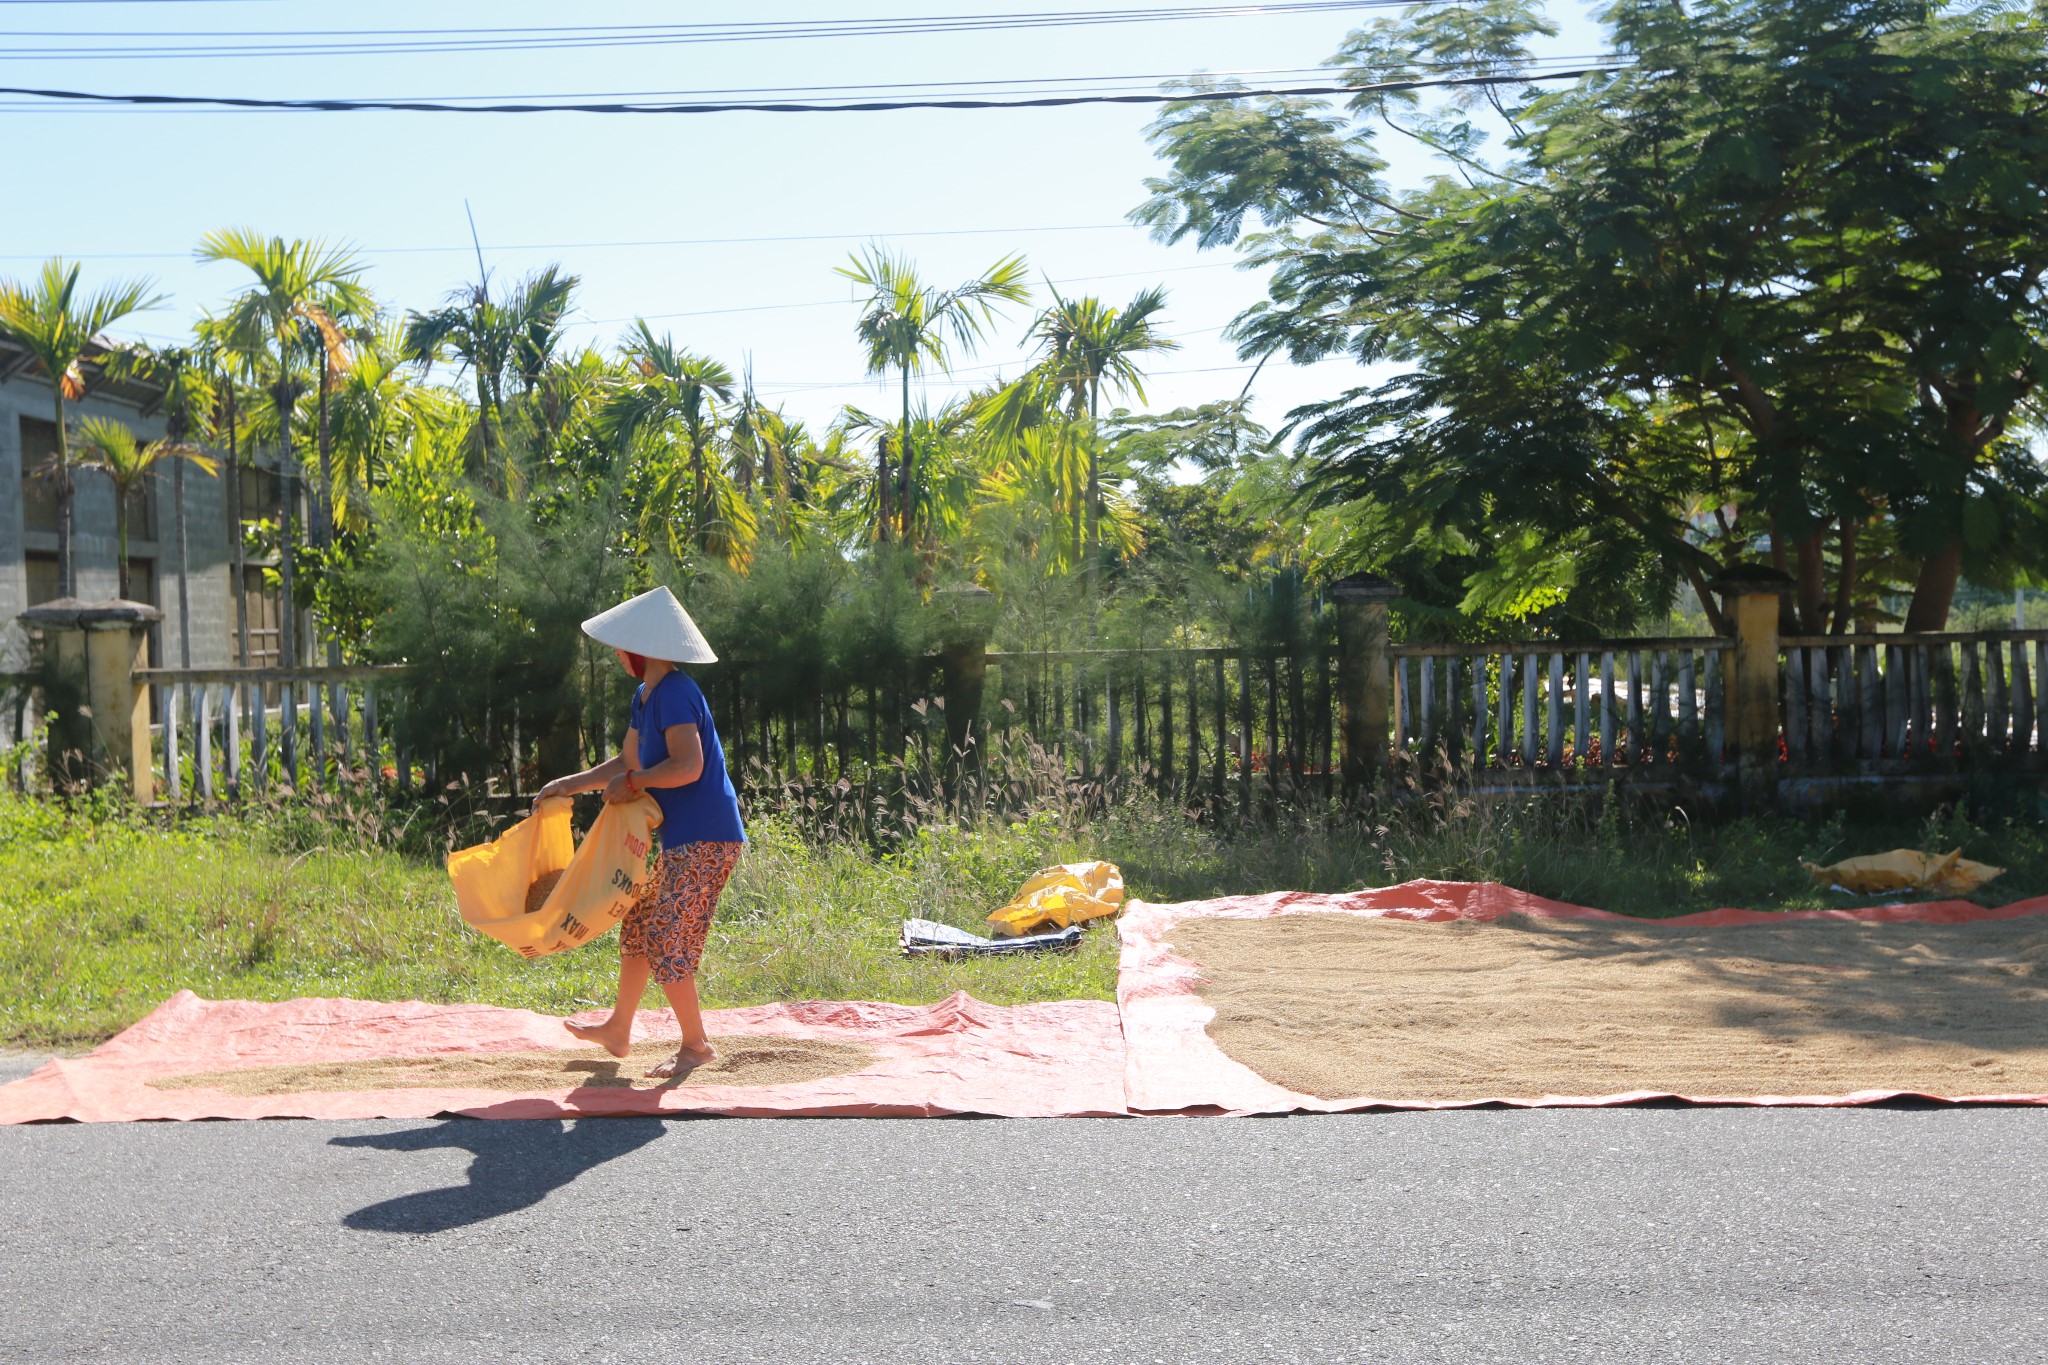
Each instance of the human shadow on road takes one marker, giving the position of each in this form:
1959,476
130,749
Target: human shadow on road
518,1164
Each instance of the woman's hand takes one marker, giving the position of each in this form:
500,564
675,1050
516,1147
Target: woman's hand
620,790
560,787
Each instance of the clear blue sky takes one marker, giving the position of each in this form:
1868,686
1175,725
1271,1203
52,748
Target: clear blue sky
131,191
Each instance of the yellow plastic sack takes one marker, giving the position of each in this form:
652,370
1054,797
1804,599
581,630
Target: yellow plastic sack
1061,896
597,885
1905,869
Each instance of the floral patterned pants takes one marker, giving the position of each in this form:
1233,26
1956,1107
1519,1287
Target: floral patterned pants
672,916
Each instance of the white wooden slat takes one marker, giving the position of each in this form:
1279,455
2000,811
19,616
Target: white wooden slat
202,741
173,782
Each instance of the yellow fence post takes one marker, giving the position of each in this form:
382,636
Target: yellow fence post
1750,597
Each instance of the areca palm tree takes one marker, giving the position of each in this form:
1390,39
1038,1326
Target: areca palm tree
1087,345
110,447
666,387
229,369
906,325
378,409
185,374
936,495
54,324
302,288
514,341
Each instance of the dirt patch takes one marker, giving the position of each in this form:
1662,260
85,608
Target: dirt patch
740,1061
1344,1006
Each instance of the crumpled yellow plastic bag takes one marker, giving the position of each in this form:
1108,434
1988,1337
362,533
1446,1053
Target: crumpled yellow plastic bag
598,883
1061,896
1905,869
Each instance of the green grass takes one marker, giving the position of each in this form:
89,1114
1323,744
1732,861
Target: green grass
107,912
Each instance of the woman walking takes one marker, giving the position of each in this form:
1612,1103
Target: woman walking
671,753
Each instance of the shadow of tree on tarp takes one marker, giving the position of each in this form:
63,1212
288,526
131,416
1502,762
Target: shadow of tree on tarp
518,1164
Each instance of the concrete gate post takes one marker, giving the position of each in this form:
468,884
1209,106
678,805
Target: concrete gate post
91,651
1364,675
969,619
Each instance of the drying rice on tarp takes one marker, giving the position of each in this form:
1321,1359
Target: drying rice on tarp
1341,1006
740,1061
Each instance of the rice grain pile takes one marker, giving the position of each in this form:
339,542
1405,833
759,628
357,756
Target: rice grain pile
543,887
740,1061
1345,1006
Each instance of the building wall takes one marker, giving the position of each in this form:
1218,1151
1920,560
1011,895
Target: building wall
208,583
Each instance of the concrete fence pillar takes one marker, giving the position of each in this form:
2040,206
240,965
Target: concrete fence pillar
90,651
1750,598
968,613
1364,675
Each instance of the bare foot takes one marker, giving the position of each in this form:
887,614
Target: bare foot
686,1060
613,1038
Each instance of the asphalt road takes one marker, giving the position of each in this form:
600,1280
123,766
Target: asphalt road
1646,1234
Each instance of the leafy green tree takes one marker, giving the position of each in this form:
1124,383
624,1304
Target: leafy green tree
907,325
1771,282
52,322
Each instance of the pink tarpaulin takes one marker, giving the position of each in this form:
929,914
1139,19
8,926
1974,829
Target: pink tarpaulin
956,1057
1172,1066
1150,1053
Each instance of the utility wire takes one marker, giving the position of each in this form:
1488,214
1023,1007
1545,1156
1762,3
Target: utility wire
1015,86
389,41
796,107
598,246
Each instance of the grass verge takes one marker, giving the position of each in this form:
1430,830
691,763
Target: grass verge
108,911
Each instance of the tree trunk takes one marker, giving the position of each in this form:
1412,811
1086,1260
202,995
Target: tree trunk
121,541
323,496
903,459
882,487
1788,615
287,617
489,457
184,597
1935,589
67,576
700,491
1093,510
235,549
1845,587
1812,557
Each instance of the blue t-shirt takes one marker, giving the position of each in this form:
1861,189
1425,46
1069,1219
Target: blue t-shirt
704,811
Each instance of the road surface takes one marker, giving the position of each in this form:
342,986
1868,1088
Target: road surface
1646,1234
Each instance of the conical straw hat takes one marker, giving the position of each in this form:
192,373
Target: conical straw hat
654,626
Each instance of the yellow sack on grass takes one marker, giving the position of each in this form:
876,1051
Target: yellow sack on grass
593,886
1905,869
1061,896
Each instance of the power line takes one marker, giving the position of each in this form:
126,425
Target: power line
799,107
1021,85
464,247
393,41
851,302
